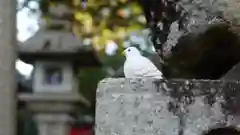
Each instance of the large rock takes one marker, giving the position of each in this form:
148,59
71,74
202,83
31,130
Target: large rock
233,73
140,107
195,38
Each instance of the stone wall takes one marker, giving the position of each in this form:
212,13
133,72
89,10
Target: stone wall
166,107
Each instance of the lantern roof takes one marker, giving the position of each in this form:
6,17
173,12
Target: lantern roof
57,45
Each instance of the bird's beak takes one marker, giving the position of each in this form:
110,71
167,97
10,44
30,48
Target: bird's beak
123,53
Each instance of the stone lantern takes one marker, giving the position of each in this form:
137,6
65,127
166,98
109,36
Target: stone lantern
56,57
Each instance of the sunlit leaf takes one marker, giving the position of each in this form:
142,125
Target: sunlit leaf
141,19
107,33
96,42
134,28
76,2
136,9
121,32
79,16
88,25
123,1
102,24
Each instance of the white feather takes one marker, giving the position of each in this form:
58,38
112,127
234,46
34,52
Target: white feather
138,66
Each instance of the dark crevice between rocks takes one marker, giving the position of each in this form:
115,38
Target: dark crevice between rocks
222,131
205,55
184,92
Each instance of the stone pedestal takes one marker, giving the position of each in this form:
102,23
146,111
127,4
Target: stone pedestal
165,107
51,110
53,124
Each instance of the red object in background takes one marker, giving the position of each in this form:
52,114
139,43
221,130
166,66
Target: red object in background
85,130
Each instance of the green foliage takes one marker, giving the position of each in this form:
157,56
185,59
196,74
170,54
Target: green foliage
101,21
26,124
89,78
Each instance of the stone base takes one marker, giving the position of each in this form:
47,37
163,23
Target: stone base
164,107
51,110
52,102
53,124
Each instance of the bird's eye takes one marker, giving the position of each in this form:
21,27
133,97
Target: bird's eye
128,50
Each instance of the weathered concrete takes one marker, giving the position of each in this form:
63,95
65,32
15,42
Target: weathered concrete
174,107
52,110
7,67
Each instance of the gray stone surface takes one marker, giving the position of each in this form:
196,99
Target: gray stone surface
52,110
233,73
7,67
171,107
53,124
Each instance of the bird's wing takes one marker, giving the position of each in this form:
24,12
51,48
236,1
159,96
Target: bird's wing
145,68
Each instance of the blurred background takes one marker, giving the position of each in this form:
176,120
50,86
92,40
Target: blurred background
107,25
200,49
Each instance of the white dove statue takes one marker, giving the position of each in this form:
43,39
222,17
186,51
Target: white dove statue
138,66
